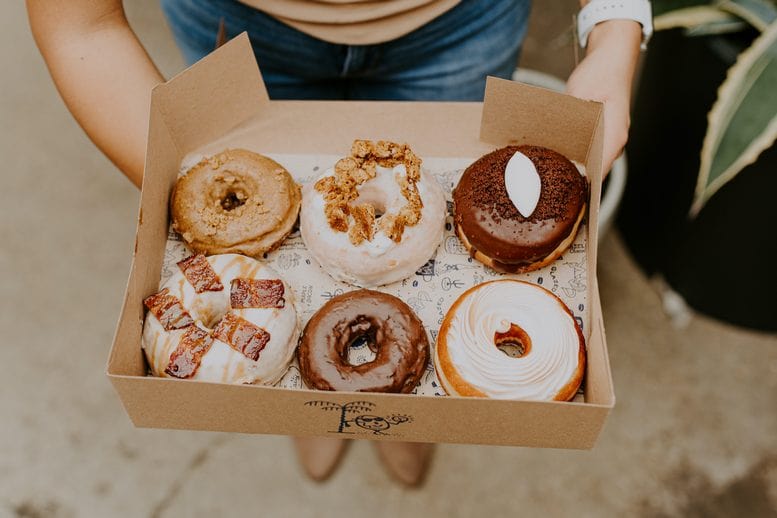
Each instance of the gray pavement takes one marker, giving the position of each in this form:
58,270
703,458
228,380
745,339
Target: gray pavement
694,432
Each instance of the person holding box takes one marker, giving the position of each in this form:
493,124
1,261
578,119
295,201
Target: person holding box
368,50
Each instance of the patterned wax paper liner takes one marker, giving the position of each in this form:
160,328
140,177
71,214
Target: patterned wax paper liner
433,288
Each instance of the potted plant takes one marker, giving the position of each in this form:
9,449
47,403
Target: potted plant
699,206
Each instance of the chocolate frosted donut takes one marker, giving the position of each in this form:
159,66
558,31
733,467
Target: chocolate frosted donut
490,225
392,331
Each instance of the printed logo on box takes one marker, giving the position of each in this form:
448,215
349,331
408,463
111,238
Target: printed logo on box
364,422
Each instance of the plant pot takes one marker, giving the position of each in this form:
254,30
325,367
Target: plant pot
615,183
721,262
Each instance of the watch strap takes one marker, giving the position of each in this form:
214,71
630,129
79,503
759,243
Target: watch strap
597,11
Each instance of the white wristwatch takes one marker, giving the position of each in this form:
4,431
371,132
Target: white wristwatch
597,11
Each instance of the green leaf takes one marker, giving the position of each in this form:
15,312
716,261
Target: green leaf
758,13
743,121
717,27
691,17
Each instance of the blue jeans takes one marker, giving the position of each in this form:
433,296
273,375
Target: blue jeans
447,59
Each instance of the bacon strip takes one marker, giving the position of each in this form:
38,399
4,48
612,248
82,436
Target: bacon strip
200,274
251,293
186,358
168,310
242,335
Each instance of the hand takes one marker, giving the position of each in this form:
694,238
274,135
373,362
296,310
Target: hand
606,75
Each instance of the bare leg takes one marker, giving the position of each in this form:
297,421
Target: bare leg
406,461
319,456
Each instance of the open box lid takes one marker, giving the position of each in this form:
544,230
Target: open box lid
224,94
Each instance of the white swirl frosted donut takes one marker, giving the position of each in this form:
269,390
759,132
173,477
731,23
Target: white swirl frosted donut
374,218
225,318
547,345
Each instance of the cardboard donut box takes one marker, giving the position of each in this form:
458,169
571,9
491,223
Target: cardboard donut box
225,91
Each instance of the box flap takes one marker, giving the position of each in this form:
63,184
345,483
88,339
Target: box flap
218,93
561,122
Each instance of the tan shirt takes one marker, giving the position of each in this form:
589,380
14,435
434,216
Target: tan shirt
354,22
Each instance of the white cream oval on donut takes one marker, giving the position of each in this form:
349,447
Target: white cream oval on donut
221,362
381,260
522,183
469,363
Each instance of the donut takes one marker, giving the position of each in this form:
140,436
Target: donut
225,318
375,218
235,202
509,339
392,331
518,208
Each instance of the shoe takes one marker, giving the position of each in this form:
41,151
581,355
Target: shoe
319,456
407,462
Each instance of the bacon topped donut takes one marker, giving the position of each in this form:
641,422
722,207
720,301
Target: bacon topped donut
226,318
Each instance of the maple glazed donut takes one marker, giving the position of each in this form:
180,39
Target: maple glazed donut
235,202
509,339
392,331
225,318
375,218
518,208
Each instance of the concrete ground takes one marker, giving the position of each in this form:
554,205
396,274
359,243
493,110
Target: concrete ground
694,432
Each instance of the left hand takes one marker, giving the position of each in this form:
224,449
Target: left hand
606,75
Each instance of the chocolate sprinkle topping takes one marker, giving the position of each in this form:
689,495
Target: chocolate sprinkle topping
560,180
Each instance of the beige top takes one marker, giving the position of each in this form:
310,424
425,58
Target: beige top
354,22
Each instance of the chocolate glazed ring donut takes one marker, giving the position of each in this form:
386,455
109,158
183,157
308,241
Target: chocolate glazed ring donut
494,231
389,326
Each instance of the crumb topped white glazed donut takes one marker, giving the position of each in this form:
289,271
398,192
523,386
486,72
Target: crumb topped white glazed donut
375,218
225,318
509,339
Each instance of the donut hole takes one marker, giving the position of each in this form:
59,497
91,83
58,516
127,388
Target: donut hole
233,199
360,340
374,197
515,342
229,191
361,350
211,316
380,210
512,348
